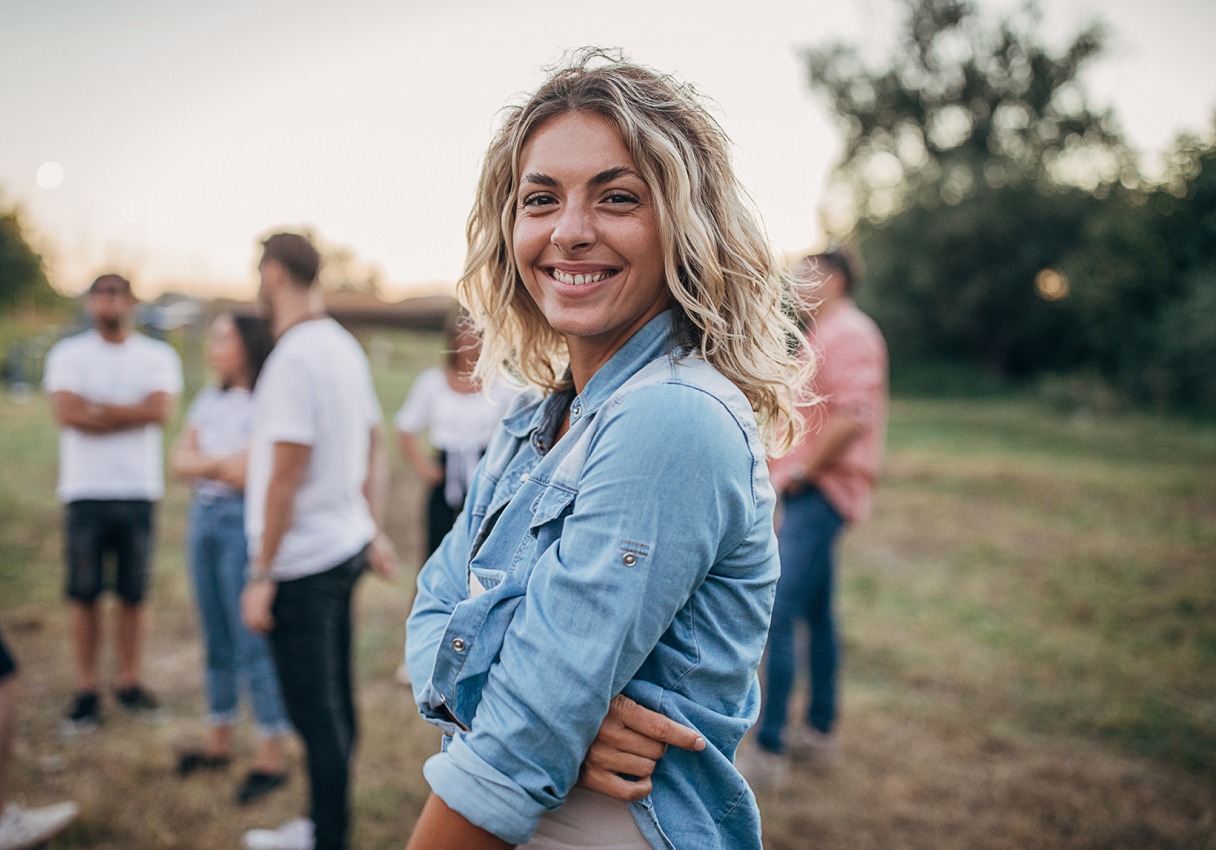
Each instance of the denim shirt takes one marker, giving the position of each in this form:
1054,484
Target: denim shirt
636,554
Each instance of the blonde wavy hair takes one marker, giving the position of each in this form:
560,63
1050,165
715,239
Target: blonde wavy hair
731,303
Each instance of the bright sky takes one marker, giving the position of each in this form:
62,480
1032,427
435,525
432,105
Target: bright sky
183,131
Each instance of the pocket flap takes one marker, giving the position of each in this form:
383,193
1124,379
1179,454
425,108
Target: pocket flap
550,504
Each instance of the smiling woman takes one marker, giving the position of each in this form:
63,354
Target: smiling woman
616,549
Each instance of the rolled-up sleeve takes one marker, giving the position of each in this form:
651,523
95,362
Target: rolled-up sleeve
666,491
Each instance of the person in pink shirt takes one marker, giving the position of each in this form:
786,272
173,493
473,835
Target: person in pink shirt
824,484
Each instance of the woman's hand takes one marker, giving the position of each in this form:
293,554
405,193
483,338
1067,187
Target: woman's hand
631,740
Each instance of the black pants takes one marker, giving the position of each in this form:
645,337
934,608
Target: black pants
311,643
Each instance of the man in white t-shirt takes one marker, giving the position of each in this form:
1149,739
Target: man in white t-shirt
311,527
112,391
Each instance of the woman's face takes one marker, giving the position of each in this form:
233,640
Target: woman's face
225,353
586,238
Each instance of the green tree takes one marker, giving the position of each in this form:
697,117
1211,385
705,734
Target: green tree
972,161
962,103
1144,277
22,273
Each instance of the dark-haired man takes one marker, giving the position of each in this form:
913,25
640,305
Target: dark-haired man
311,528
112,391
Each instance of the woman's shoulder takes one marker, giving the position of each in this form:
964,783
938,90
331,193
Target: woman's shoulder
687,399
687,381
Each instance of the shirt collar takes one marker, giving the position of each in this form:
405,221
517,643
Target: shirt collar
652,340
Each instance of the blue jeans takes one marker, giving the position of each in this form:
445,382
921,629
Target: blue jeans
234,655
806,541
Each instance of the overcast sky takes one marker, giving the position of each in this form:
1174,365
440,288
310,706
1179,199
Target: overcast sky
186,130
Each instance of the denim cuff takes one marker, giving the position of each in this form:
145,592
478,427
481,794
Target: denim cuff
223,718
273,730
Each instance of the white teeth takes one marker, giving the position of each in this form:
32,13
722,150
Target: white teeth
579,279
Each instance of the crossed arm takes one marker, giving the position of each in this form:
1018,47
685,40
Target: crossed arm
631,740
75,411
188,461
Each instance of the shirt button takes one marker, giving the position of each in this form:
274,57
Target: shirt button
576,409
629,559
458,644
523,476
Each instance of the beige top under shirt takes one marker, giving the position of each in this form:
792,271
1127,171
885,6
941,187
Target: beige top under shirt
587,820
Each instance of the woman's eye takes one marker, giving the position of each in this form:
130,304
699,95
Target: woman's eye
620,198
537,199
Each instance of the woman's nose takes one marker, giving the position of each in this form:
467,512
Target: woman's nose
574,229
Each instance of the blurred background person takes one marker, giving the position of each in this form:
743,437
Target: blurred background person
824,484
311,502
112,391
20,827
446,405
210,452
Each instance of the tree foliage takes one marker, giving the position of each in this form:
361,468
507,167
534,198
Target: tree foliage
1003,221
22,274
962,104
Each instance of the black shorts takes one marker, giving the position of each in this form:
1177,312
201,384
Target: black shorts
96,528
7,665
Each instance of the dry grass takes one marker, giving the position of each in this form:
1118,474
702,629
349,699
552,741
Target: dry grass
1029,633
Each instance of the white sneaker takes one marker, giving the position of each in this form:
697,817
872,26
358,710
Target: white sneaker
763,770
21,828
294,835
807,742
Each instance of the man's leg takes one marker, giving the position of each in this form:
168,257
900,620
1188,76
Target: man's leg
128,643
824,524
86,644
796,544
307,642
132,529
84,534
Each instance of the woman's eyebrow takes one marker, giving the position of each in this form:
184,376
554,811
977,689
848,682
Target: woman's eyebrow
608,175
605,176
540,179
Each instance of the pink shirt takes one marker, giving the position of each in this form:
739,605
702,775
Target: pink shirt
852,378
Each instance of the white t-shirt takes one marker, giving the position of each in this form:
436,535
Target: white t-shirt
126,464
453,421
315,390
222,420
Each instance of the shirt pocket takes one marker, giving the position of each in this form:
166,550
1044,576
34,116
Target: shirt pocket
549,511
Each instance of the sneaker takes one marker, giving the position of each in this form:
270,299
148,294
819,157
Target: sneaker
21,828
84,716
137,700
764,770
294,835
810,744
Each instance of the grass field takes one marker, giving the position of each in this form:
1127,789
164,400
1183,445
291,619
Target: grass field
1030,639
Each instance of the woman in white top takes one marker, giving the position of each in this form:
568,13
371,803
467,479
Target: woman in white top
211,453
448,407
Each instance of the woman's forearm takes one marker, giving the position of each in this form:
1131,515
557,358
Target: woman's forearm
440,828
